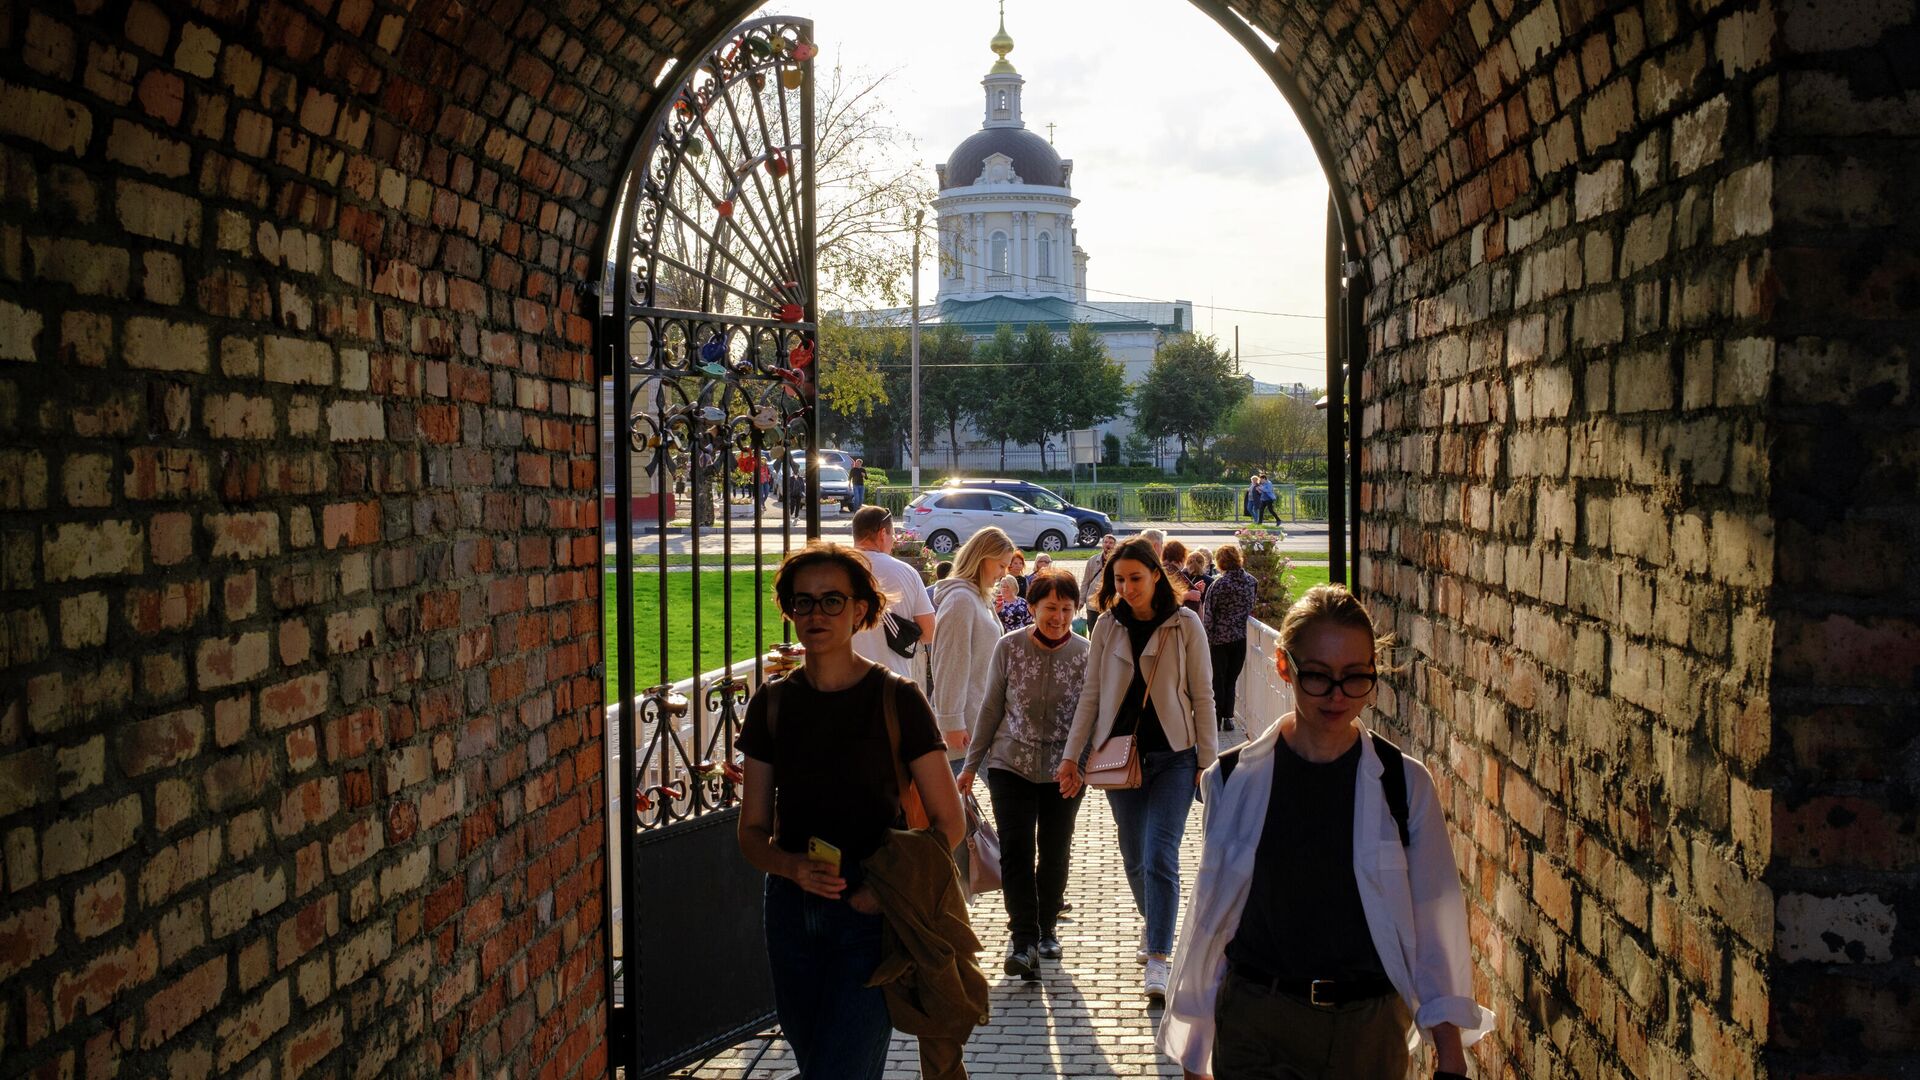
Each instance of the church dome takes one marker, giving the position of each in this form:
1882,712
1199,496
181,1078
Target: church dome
1034,159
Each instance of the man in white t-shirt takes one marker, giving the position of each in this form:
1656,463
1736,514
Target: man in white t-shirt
906,593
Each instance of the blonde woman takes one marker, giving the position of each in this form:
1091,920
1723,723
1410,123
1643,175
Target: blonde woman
966,628
1149,674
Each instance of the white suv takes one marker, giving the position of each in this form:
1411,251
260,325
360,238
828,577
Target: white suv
948,517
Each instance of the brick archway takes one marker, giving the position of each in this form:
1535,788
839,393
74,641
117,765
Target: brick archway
298,571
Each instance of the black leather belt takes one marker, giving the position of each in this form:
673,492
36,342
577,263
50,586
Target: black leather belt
1325,993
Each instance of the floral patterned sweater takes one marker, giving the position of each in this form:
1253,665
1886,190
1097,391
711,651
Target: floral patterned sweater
1032,693
1226,606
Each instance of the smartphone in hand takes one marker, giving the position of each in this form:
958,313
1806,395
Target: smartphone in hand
820,851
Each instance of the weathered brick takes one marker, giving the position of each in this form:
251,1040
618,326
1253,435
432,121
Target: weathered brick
244,536
236,901
293,701
100,905
292,360
76,551
160,345
27,936
162,741
75,843
225,661
63,126
190,997
90,987
246,1030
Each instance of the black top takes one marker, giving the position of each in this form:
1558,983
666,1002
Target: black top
1138,708
1303,918
857,475
831,774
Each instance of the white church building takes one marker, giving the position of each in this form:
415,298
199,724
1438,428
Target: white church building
1010,255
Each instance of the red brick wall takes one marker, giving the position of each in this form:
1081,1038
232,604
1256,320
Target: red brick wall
299,741
1845,488
300,744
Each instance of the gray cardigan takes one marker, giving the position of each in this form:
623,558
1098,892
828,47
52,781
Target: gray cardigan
1031,695
964,633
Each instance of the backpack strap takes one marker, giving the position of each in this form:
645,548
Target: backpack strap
1393,784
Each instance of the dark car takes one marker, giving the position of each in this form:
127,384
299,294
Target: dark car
1093,524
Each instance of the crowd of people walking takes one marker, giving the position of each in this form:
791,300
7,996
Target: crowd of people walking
1324,925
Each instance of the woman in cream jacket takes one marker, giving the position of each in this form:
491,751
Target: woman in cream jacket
1150,673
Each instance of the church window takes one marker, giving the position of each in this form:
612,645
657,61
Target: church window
998,257
1003,101
1046,255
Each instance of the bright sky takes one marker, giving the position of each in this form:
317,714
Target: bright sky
1195,181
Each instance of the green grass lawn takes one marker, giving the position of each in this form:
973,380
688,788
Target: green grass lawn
646,598
646,620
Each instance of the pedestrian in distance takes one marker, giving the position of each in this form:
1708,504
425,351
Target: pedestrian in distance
1017,566
795,496
1174,557
1268,500
967,629
1041,561
857,484
907,621
1197,580
1250,498
1327,917
1224,612
1157,538
825,748
1019,737
1014,613
1150,677
1090,576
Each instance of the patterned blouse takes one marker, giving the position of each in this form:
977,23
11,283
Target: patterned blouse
1032,693
1226,606
1015,614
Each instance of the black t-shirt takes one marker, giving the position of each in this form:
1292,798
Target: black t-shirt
1152,737
857,475
831,774
1303,918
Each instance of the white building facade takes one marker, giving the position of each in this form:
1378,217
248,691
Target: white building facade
1010,255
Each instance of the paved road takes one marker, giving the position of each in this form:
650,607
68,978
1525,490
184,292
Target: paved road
1301,536
1085,1017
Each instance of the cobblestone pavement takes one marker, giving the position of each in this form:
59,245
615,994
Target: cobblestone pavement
1087,1016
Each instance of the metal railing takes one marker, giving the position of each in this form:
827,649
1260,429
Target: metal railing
1263,696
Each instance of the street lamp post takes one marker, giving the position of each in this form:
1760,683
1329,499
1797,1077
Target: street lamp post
914,337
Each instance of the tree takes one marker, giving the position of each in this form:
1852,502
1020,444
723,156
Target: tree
996,414
866,192
1271,432
1091,384
1189,392
950,387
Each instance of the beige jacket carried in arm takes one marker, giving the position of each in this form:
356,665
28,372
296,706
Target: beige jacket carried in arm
1182,688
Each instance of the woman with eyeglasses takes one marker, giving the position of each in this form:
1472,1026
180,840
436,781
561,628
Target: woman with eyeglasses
820,793
1327,922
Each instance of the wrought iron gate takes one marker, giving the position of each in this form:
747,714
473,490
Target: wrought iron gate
709,335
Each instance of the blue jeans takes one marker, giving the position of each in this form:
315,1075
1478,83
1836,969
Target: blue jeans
822,952
859,496
1151,820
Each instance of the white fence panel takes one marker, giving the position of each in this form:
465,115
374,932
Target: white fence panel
1263,696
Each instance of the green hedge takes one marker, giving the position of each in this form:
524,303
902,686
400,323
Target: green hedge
1213,502
1157,501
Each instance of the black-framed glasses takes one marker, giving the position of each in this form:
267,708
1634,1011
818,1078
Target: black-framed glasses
1319,684
832,603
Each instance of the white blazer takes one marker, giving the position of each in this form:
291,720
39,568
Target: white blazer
1414,906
